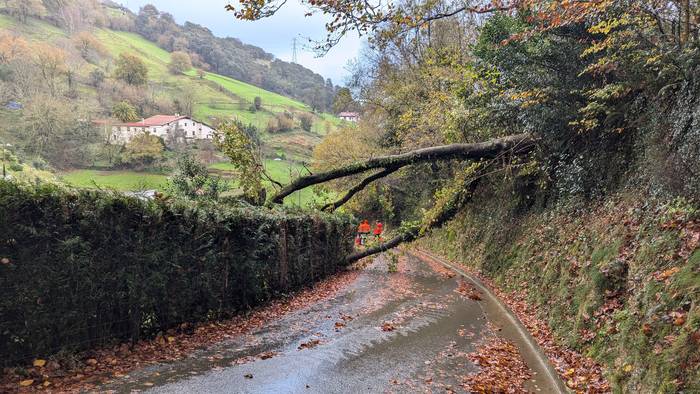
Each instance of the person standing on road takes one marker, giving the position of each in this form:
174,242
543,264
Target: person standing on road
363,230
378,230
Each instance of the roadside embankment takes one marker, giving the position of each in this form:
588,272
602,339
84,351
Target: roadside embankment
618,281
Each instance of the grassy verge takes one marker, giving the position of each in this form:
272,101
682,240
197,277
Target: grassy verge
118,180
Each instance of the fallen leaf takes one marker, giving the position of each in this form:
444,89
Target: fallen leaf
627,368
388,327
310,344
26,383
39,362
91,361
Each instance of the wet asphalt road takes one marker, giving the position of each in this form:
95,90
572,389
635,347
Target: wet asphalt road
338,345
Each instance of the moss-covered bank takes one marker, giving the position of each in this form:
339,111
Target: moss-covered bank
618,280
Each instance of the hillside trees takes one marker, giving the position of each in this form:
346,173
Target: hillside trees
143,150
125,112
89,47
58,131
179,62
51,63
231,57
343,101
131,69
23,9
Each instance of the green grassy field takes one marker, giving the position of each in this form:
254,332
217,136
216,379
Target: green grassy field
117,180
281,171
216,98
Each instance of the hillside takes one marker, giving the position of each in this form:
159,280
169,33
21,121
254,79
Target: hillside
214,98
226,56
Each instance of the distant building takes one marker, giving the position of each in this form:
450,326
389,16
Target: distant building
160,126
349,116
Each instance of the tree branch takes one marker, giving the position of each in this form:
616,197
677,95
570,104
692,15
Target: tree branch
456,203
520,143
357,188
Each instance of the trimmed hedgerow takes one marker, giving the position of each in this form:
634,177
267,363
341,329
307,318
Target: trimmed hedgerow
85,268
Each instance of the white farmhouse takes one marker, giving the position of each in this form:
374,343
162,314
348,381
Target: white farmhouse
160,126
349,116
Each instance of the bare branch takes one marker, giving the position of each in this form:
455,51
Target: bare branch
357,188
456,203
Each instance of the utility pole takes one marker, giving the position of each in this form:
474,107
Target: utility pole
294,50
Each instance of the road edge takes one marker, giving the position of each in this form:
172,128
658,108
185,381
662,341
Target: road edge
525,335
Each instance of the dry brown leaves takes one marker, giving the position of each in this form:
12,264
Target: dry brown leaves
502,370
469,291
99,366
580,373
309,344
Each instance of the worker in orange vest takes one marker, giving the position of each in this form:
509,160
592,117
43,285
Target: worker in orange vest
378,230
363,230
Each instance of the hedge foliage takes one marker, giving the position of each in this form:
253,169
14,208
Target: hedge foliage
85,268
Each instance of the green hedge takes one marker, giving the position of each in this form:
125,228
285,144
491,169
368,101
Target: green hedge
88,268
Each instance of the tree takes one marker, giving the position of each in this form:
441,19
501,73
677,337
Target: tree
306,121
23,9
179,62
125,112
343,101
184,103
257,101
97,76
57,130
131,69
51,63
192,181
242,146
90,48
143,149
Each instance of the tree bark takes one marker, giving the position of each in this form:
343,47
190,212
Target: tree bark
518,144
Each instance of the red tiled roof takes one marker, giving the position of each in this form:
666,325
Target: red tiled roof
157,120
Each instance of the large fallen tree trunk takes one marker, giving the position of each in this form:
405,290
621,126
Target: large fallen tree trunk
517,144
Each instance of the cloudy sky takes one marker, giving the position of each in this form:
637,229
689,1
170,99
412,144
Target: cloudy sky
273,34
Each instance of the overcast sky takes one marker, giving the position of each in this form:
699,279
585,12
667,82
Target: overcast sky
273,34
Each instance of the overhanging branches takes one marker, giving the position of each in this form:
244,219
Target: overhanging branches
516,144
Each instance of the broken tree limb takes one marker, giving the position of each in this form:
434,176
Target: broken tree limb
357,188
451,208
518,144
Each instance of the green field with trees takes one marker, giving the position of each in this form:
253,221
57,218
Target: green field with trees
64,74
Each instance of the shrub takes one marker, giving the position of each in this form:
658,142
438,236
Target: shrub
86,268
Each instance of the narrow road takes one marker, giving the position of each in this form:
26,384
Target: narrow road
408,331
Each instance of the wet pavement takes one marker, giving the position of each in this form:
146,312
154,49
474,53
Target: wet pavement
408,331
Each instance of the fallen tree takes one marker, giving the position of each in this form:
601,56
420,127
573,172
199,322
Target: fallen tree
514,145
450,209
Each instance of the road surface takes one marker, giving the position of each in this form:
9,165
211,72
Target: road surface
408,331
